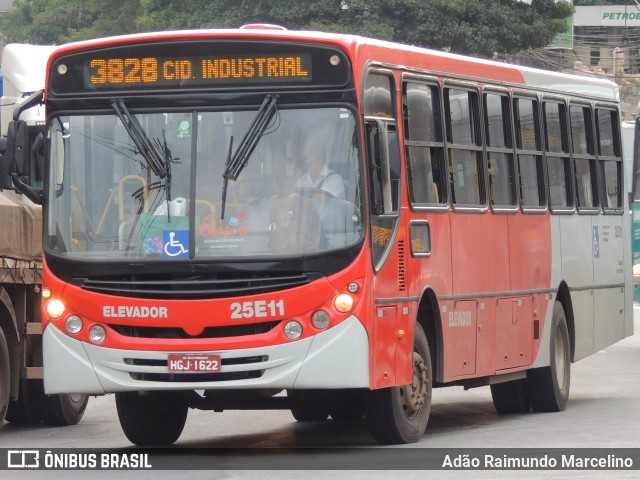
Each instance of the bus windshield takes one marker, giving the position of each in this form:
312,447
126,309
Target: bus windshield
296,193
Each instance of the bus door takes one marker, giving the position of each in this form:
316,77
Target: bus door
391,335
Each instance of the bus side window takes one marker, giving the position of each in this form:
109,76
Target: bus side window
424,144
497,118
609,158
465,147
557,154
529,152
584,156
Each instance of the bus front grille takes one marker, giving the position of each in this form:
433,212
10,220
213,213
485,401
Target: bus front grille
193,287
209,332
247,370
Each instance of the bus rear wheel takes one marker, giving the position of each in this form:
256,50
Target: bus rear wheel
511,397
152,418
548,387
400,414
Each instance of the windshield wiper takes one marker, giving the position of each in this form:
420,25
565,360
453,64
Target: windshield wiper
153,153
236,163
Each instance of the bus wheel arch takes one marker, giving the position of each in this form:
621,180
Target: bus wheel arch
564,297
548,387
429,318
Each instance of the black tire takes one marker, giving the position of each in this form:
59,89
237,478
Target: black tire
307,407
65,409
26,409
548,387
350,413
5,377
33,406
510,397
309,413
152,419
400,414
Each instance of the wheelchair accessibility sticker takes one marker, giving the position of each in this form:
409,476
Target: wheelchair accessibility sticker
176,243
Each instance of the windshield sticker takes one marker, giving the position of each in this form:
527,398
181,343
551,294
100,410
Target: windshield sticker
184,128
176,243
229,232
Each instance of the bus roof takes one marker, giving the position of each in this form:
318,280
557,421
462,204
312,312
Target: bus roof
409,57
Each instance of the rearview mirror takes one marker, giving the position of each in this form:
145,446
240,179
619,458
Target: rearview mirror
15,166
5,176
18,146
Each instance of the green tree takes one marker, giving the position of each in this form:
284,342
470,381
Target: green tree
477,27
60,21
44,21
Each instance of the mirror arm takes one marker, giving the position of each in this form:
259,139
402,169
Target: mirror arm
31,193
31,101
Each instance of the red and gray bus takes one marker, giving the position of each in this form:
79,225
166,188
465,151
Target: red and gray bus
464,225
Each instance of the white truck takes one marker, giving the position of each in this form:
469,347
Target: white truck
22,397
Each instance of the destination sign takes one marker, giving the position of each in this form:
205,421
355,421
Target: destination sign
161,71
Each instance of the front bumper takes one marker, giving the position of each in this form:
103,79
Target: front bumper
335,358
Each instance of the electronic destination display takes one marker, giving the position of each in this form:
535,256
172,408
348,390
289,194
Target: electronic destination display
108,72
197,65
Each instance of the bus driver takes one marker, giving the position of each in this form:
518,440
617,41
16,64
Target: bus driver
319,175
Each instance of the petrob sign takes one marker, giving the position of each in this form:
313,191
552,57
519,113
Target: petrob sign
607,16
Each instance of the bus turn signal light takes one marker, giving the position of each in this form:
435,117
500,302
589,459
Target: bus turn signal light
344,302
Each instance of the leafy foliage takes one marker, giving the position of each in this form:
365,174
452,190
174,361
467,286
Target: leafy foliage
60,21
477,27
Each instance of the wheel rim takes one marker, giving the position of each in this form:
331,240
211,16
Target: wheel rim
77,398
414,395
560,358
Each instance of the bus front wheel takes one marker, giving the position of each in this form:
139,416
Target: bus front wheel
152,418
64,409
548,387
400,414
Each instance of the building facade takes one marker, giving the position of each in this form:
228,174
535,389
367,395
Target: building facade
607,37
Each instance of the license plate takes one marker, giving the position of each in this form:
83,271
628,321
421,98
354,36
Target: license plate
193,363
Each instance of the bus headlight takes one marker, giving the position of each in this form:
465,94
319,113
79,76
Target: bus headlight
292,330
320,319
73,324
55,308
97,334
